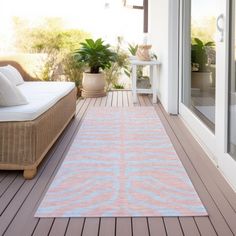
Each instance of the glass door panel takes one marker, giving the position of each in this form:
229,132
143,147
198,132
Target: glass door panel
199,80
232,88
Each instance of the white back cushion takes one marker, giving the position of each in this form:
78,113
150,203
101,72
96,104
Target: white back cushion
12,74
10,95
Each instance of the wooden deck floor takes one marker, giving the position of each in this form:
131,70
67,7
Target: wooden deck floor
19,198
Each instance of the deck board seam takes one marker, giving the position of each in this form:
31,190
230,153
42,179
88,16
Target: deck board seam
149,233
32,234
12,198
206,188
181,227
9,184
67,225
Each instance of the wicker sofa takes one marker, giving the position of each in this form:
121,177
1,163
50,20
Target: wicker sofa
23,144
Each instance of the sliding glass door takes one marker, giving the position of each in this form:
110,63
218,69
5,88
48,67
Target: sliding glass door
208,78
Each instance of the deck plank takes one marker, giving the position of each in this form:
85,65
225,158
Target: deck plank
104,101
194,152
130,99
91,227
59,227
172,226
75,226
10,193
147,101
107,226
189,226
43,227
125,99
205,226
156,226
98,102
109,99
141,100
114,99
124,226
3,175
120,99
7,182
212,209
140,226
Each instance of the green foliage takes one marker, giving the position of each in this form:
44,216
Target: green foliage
73,69
118,86
95,54
139,72
46,37
47,67
199,53
120,65
133,49
44,40
56,44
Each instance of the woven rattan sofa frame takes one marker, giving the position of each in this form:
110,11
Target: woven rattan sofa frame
24,144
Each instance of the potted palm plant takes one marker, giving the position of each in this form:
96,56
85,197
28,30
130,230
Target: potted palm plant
201,73
97,56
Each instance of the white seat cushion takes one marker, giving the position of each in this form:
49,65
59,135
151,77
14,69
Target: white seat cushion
12,74
41,97
10,95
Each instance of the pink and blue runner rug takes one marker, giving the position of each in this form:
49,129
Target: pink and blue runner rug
121,163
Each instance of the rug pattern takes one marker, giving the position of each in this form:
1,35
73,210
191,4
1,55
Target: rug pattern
121,163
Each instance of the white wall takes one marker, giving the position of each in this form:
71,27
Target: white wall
163,35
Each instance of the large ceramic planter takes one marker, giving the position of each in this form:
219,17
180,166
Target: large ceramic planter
93,85
202,80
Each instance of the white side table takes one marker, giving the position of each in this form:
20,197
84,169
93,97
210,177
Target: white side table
153,65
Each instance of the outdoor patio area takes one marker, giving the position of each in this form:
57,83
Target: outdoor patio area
19,198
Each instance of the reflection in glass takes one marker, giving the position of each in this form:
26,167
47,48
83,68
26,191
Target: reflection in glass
232,93
199,83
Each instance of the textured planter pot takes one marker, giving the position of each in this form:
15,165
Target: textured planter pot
143,52
93,85
143,83
201,80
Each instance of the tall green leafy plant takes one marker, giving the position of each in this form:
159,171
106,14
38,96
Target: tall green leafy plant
199,53
120,65
95,54
133,49
73,70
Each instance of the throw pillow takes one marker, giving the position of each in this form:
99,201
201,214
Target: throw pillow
10,95
12,74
